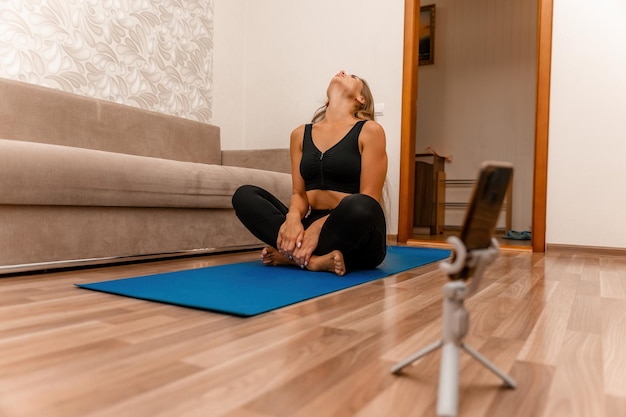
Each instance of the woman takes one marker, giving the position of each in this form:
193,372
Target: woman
339,163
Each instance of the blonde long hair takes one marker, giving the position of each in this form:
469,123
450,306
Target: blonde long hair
364,111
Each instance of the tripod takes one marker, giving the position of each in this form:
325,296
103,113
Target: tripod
455,326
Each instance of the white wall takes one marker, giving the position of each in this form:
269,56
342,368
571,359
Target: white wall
273,60
229,67
587,146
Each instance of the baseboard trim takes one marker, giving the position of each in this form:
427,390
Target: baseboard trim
585,250
392,239
44,267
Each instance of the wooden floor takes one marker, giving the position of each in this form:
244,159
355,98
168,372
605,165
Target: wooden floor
556,323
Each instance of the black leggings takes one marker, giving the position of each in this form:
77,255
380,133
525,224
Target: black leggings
356,227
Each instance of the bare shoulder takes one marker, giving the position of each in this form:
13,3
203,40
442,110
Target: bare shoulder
296,138
374,127
298,132
372,132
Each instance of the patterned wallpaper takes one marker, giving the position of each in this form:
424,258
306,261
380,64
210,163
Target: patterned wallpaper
153,54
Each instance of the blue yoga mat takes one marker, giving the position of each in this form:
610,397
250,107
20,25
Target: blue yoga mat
251,288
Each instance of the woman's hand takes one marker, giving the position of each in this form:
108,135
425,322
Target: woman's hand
302,253
290,236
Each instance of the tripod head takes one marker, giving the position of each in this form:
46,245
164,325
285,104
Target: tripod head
469,264
476,246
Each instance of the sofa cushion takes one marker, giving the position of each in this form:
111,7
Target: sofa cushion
43,174
52,116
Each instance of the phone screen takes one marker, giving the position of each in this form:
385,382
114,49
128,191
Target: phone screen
486,203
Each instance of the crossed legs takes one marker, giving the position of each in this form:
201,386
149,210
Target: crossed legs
353,237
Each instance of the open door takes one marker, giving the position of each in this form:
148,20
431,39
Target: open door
409,119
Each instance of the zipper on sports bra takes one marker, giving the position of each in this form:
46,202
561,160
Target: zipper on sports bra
322,169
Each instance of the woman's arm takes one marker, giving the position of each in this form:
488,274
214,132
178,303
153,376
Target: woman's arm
373,146
291,232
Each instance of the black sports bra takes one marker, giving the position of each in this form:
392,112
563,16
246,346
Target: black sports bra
337,169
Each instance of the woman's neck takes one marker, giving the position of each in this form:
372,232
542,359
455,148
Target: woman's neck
339,112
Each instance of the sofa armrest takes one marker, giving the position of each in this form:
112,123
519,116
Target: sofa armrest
277,160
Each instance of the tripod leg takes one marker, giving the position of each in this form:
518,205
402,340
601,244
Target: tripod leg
480,358
400,365
448,394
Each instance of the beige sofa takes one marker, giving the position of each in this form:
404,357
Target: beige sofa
90,181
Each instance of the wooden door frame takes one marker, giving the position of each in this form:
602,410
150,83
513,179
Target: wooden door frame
409,122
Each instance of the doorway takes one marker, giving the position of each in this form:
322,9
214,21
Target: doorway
409,118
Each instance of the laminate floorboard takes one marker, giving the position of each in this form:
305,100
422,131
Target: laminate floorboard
555,322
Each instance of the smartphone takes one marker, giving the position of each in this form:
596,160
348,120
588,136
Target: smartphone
485,205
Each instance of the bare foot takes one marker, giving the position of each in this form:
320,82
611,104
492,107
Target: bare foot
331,262
271,256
